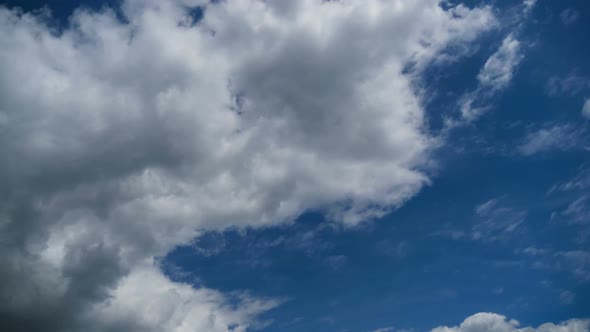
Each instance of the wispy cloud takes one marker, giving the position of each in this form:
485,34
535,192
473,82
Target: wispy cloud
495,220
551,138
498,70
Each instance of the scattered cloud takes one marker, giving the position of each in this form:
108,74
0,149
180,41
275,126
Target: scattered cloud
491,322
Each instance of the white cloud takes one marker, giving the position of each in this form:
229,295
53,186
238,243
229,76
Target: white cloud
121,141
490,322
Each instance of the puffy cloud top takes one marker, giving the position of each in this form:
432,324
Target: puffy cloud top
490,322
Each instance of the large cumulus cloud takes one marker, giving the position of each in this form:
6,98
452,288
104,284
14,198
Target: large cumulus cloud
123,137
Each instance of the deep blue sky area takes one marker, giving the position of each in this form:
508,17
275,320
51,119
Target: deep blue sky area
438,259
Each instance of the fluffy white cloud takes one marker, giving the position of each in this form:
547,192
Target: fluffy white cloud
490,322
120,141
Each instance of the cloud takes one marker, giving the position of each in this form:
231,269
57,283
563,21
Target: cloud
529,5
567,297
495,220
586,109
121,140
385,329
498,70
569,16
552,138
495,75
575,202
576,262
568,85
491,322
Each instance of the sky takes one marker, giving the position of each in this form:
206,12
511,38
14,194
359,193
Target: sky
250,165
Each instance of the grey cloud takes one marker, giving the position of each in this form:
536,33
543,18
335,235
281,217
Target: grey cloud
120,141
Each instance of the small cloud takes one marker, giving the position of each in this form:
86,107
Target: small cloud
495,75
534,251
396,250
569,85
495,220
580,182
337,261
576,261
450,233
528,5
586,109
385,329
553,138
567,297
498,70
499,290
578,211
569,16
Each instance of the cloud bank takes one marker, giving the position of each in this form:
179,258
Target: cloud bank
123,137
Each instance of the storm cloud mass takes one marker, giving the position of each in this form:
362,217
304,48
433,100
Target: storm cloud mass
125,135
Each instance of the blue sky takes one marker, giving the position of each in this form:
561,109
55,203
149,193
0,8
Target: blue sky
500,225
